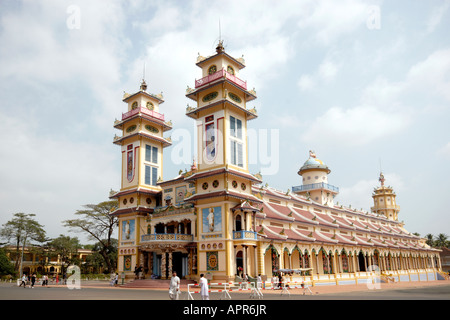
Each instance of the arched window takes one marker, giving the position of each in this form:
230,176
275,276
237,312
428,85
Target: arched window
238,222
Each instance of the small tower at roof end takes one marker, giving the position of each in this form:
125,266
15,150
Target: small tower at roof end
384,200
315,181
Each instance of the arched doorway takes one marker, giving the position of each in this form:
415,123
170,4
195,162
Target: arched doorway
159,228
326,261
239,263
361,261
344,260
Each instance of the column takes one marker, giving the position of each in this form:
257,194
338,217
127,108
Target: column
256,261
317,262
244,258
261,269
354,263
234,262
169,265
150,263
189,255
163,265
365,261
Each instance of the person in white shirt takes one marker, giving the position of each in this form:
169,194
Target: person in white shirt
259,282
24,281
174,289
204,287
116,280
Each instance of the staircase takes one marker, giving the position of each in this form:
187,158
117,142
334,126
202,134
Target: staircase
155,284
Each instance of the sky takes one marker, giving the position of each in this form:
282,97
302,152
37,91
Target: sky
365,84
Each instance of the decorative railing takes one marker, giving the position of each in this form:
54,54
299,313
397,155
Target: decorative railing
167,237
244,235
145,111
220,74
313,186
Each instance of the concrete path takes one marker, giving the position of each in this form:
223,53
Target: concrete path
101,290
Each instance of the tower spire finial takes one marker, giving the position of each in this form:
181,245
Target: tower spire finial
143,84
220,47
220,32
143,72
381,179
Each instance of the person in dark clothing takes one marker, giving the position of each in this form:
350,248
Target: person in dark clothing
33,280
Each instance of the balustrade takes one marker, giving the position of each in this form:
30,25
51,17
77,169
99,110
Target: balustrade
167,237
244,234
220,74
145,111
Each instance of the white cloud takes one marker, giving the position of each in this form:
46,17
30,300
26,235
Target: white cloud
44,53
325,73
436,16
331,19
306,82
328,70
50,176
431,75
444,151
353,127
386,107
383,92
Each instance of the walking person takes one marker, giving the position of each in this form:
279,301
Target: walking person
245,281
174,289
33,280
204,287
306,288
259,282
24,281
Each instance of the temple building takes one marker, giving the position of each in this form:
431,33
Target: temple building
221,220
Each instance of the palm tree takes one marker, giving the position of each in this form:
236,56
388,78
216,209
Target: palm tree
430,240
441,240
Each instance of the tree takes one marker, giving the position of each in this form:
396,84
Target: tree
6,267
20,230
96,261
441,240
430,240
67,249
99,225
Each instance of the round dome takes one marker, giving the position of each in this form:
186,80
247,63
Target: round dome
313,163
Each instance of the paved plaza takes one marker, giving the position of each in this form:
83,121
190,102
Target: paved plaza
101,290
